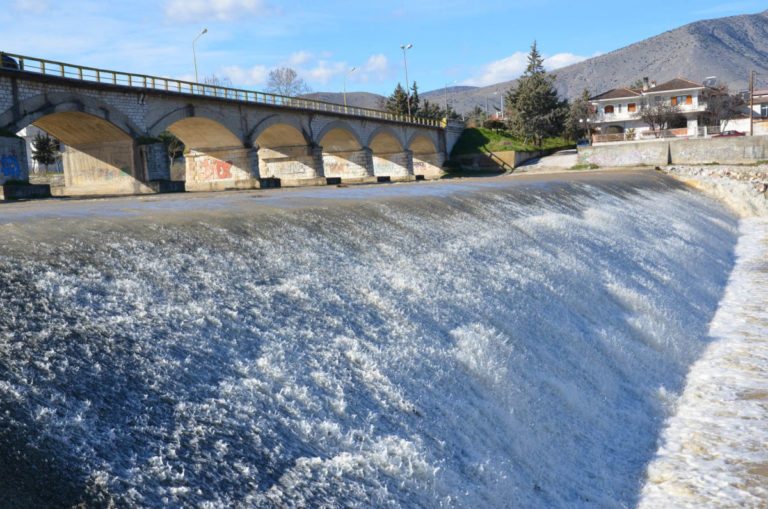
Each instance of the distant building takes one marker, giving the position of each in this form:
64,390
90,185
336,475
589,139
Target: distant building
616,111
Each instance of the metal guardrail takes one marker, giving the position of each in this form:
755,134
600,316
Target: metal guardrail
92,74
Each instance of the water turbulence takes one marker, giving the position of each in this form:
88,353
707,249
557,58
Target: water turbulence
498,346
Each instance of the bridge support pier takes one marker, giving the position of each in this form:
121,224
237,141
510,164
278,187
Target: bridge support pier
296,165
109,167
349,165
394,164
216,169
430,165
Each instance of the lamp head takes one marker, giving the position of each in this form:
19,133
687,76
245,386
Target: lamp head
205,30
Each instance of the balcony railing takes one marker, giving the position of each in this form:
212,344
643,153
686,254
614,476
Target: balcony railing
91,74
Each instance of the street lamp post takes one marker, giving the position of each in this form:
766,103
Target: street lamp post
407,86
445,95
194,57
345,87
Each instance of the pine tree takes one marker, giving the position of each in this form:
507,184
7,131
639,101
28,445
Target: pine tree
45,149
415,106
579,115
398,101
535,109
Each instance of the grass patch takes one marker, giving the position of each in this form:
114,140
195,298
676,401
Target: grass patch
713,163
479,139
590,166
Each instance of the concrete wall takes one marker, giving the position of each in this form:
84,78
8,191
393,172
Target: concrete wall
497,161
155,159
103,168
729,150
221,169
655,153
732,149
429,165
357,163
397,164
13,160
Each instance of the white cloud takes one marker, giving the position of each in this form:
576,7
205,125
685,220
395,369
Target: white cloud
513,66
324,71
300,58
501,70
35,6
562,60
255,76
224,10
376,68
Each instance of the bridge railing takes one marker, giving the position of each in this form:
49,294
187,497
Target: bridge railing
92,74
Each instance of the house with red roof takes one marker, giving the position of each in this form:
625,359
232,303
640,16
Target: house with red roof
617,112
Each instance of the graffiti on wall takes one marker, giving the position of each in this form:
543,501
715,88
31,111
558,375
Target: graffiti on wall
92,175
213,169
290,167
9,165
338,167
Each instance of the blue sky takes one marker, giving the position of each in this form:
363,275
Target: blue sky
454,42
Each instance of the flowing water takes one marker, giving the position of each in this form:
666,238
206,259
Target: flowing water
493,344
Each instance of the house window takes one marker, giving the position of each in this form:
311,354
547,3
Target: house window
609,109
764,110
682,99
631,107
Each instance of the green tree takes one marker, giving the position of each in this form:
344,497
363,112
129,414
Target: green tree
431,110
397,103
415,105
535,110
173,145
577,122
637,84
45,149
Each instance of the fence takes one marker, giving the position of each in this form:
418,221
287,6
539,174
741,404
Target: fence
91,74
702,132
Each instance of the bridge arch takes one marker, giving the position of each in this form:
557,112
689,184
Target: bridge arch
65,106
390,158
284,151
384,139
290,131
427,160
343,152
338,136
189,123
422,144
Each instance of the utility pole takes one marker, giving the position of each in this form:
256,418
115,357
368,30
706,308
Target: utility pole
194,57
751,103
407,86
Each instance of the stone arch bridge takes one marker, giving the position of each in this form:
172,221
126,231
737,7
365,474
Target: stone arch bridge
110,121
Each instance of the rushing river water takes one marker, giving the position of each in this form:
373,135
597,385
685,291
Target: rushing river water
493,344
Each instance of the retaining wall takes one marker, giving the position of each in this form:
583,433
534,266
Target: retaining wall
729,150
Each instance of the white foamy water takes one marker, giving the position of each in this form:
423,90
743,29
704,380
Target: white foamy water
715,448
481,346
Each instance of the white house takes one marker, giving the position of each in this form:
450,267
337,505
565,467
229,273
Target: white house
616,111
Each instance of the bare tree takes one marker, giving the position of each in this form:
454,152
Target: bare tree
722,106
657,114
215,81
285,81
